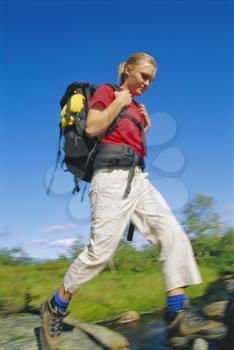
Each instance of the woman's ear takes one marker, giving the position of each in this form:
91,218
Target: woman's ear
128,70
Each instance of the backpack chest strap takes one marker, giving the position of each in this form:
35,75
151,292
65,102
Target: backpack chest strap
121,116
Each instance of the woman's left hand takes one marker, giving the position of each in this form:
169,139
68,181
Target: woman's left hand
147,117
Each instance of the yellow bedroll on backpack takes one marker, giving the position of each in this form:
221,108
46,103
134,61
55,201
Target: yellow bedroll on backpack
76,106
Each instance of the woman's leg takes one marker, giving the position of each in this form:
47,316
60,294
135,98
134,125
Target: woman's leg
154,219
110,217
108,224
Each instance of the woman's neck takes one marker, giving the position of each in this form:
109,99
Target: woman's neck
124,86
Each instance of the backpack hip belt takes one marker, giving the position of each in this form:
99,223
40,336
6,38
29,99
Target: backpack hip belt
122,156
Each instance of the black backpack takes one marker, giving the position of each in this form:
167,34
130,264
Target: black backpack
78,147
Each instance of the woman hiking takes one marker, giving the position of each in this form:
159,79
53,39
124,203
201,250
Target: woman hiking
120,192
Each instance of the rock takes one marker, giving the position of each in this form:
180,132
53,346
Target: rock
21,332
215,310
128,316
228,276
200,344
18,332
104,336
230,285
229,318
77,339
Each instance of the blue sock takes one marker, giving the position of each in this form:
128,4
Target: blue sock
175,303
61,303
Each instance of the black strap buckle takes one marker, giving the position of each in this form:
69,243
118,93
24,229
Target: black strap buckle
127,150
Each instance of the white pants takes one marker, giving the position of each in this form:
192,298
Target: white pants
149,212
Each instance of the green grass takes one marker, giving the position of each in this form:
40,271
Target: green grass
106,296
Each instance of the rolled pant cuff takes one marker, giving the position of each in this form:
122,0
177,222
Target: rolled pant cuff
181,284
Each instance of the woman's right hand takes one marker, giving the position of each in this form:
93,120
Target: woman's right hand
124,97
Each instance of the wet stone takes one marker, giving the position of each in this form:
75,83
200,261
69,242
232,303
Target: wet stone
228,276
21,332
108,338
230,285
128,316
215,310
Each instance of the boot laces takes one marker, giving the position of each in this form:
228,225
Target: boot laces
56,324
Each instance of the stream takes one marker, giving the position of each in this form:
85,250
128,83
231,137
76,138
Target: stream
148,333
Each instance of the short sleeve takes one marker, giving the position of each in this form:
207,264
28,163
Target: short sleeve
102,97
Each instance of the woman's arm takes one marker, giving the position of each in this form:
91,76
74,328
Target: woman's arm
99,121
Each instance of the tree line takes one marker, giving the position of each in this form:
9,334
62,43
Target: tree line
212,241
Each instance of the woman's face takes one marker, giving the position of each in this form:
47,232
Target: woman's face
139,79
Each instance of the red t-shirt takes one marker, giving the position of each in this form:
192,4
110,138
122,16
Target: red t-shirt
126,132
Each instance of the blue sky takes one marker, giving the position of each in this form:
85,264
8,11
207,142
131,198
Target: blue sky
45,45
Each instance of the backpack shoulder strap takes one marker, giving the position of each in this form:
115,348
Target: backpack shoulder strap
114,87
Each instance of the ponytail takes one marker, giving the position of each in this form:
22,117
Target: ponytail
121,71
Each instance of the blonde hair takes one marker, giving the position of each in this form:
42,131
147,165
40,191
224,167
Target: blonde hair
135,61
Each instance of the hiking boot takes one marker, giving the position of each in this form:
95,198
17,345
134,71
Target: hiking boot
51,325
188,325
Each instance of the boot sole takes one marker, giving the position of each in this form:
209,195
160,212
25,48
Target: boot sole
43,342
